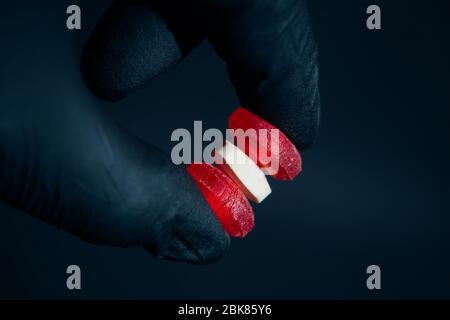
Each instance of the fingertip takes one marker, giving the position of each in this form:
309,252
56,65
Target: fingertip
129,46
190,232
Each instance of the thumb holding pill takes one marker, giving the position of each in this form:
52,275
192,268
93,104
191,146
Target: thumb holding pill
67,164
64,161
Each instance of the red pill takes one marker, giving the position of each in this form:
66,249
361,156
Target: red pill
225,199
286,157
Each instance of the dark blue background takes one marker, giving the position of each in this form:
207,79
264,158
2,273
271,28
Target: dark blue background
375,187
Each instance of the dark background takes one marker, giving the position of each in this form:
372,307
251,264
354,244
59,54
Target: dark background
375,187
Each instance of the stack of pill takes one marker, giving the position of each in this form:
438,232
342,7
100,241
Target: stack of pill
240,172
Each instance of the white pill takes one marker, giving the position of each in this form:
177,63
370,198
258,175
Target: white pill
243,170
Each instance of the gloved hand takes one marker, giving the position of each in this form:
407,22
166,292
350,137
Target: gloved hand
64,161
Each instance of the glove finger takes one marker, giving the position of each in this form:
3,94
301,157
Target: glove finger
135,41
272,60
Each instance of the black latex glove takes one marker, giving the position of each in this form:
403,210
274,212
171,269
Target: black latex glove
62,160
